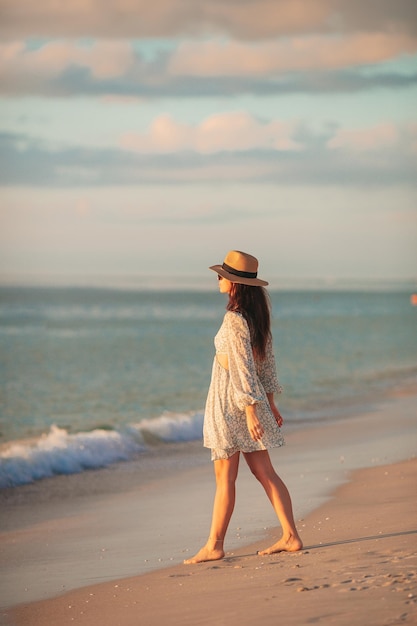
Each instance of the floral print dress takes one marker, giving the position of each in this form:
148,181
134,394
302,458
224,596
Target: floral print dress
245,382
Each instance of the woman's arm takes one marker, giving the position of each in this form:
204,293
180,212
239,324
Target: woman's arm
242,371
254,426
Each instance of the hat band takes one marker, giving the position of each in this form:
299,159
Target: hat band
231,270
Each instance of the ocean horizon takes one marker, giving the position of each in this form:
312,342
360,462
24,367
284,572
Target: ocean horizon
199,282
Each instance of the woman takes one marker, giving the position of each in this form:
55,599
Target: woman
241,414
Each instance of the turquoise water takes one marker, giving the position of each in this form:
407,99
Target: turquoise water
97,373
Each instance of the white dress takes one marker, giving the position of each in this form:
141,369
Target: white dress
231,390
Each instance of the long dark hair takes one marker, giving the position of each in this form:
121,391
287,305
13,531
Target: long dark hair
254,304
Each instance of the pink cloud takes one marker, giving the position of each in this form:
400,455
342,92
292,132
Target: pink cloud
236,131
104,59
215,58
365,139
249,19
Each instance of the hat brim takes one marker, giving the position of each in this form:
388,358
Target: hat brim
256,282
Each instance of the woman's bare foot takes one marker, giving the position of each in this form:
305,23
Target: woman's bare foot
207,553
292,544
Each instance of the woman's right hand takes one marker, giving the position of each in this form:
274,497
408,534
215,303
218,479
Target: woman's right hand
254,425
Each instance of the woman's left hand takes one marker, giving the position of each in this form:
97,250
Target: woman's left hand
277,415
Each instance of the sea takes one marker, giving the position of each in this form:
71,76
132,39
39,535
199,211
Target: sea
95,376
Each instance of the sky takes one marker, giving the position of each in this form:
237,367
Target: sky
140,141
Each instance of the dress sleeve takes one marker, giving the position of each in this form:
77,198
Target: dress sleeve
267,371
242,368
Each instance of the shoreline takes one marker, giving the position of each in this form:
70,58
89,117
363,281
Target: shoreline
358,565
56,538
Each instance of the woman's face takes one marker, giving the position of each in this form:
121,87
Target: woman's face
225,285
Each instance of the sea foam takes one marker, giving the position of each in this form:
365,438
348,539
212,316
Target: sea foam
60,452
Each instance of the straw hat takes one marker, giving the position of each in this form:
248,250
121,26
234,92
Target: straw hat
239,267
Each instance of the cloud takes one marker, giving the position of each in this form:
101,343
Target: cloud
251,19
172,154
235,131
103,59
214,58
197,69
378,137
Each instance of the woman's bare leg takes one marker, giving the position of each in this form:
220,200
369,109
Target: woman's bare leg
260,465
224,502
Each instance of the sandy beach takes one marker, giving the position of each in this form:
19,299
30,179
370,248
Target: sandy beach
117,558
